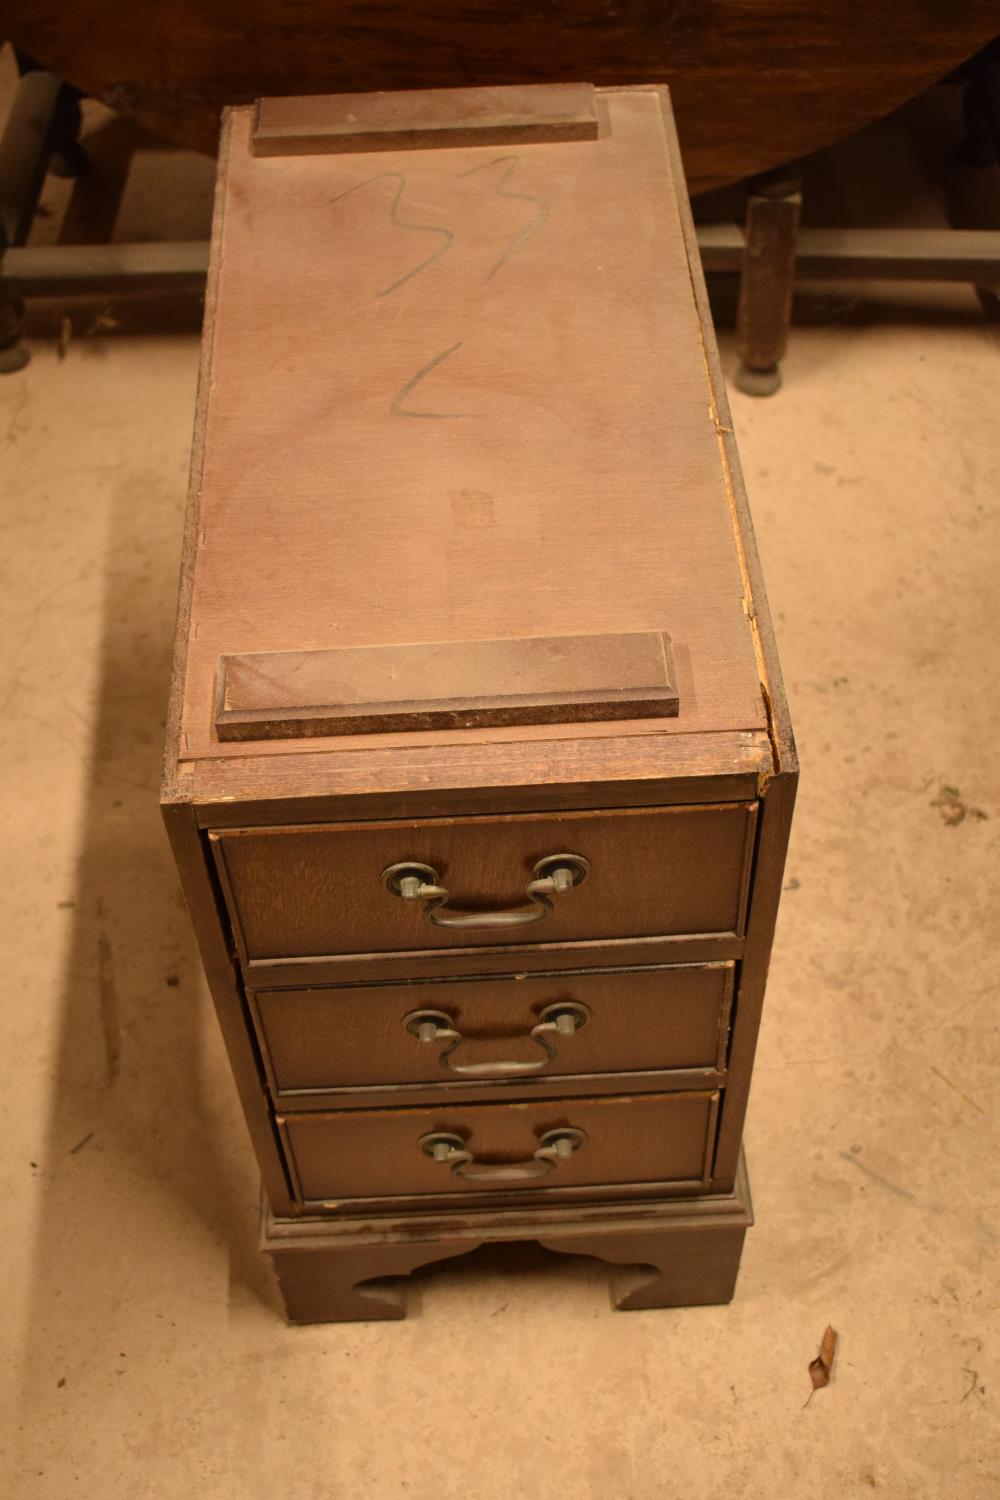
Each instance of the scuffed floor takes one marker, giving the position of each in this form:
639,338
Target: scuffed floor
146,1354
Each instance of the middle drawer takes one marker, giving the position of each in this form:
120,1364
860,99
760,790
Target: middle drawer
485,1029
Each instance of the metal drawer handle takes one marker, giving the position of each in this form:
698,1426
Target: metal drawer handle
561,1018
556,1146
553,876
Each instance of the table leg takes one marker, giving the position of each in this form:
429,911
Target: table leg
766,281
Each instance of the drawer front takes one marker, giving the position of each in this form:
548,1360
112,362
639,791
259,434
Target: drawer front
311,891
469,1030
365,1154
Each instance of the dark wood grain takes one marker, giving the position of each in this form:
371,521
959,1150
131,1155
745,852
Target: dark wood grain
778,790
636,1019
216,955
482,959
564,679
666,810
755,594
562,1087
677,1252
318,890
453,429
355,1156
755,82
517,116
397,773
777,806
474,776
324,1282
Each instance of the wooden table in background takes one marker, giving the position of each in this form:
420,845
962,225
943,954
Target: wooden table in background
754,82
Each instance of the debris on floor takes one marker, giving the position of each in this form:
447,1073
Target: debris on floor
821,1368
953,810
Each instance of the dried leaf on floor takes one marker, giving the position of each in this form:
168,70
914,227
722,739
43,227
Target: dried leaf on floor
821,1368
954,810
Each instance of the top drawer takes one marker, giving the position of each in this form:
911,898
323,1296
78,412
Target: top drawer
306,892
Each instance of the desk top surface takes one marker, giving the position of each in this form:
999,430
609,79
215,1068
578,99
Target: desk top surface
462,394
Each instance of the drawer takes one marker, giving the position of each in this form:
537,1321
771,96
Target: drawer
326,889
488,1029
539,1148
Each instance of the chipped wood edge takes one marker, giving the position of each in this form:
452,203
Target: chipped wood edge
755,603
171,785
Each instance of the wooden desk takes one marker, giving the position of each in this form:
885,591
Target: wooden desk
462,444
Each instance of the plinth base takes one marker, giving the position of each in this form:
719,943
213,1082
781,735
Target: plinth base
348,1270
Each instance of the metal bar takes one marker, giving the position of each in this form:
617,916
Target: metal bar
835,254
25,149
62,270
962,255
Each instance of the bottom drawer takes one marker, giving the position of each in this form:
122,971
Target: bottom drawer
506,1148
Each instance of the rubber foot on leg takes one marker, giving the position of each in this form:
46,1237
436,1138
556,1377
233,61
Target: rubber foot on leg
13,358
758,382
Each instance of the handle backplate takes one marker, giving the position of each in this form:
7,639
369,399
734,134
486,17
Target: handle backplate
553,876
560,1019
555,1146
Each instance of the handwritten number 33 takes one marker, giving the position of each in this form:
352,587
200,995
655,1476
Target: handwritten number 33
445,235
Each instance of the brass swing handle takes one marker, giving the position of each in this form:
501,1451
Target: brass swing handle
449,1149
561,1018
553,876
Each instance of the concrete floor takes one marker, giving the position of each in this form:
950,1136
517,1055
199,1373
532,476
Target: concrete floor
146,1351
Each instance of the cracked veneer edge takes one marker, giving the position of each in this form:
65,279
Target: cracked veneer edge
721,431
